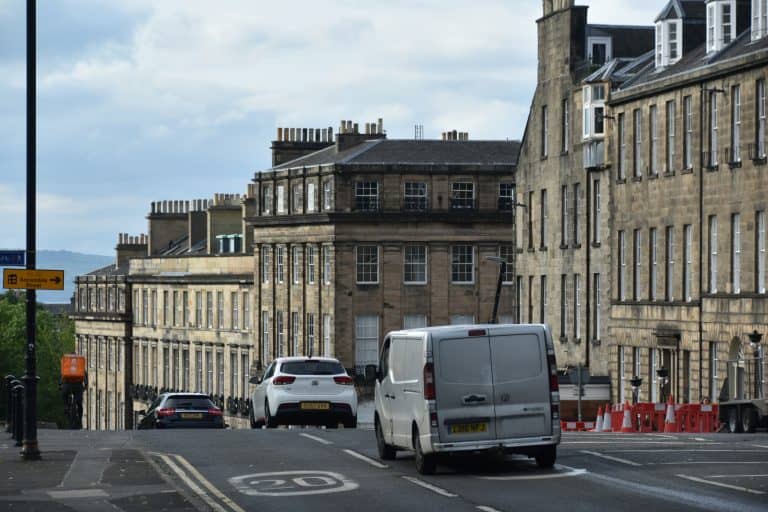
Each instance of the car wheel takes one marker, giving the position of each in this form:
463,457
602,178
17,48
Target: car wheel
546,456
254,423
748,420
386,451
425,464
271,421
734,423
352,423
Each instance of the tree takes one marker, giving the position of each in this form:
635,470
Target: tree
55,337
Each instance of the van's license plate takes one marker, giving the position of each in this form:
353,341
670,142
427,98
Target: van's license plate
315,406
469,428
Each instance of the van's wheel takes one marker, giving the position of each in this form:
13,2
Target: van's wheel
546,456
386,451
734,422
748,420
425,464
271,421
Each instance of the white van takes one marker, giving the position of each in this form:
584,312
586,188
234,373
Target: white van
468,388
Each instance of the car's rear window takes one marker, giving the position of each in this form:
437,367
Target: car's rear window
312,368
188,402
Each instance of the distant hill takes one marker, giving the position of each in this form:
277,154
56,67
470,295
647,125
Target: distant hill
73,264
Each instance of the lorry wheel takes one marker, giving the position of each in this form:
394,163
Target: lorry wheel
734,422
386,451
425,464
748,420
546,456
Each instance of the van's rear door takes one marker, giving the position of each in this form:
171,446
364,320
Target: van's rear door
464,387
521,385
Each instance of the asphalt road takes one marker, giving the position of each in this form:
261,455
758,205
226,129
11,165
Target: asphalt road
318,470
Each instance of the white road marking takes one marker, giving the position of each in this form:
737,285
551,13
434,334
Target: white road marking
487,509
736,476
192,485
614,459
292,483
208,485
542,476
700,439
760,446
720,484
428,486
659,443
675,450
369,460
711,462
315,438
77,493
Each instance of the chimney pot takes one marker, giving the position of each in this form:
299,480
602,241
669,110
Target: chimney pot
279,135
381,125
304,135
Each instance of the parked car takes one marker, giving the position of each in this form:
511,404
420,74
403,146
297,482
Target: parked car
465,389
182,410
304,391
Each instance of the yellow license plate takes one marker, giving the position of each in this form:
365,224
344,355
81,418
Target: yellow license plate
191,415
469,428
315,406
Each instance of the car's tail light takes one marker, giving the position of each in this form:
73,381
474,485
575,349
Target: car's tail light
282,380
214,411
343,380
164,413
429,381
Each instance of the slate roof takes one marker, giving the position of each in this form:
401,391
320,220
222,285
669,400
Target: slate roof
619,71
415,152
627,41
685,9
109,270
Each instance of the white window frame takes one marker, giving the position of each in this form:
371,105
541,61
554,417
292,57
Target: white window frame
327,195
665,42
564,220
653,120
761,243
577,306
326,264
367,195
366,341
670,275
264,337
296,264
759,19
713,254
544,132
688,132
280,327
622,143
311,197
326,335
294,333
688,271
566,123
363,268
265,250
296,198
622,265
460,252
235,310
414,321
671,128
638,247
637,135
280,261
653,277
717,39
761,119
736,253
411,267
507,253
310,333
713,129
736,124
607,41
281,199
311,256
596,209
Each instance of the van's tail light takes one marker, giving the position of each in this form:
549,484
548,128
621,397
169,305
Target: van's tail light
282,380
553,384
433,419
164,413
554,387
429,381
214,411
344,380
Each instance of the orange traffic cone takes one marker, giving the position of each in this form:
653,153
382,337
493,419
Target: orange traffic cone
670,425
607,419
599,423
626,425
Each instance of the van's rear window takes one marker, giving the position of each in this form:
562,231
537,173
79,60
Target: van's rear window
312,368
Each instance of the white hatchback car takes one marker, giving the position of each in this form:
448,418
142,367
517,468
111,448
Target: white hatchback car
304,391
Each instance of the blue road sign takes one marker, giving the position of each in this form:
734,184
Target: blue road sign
12,258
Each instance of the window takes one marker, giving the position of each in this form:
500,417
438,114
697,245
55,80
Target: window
638,246
311,264
735,124
220,309
462,320
264,264
233,380
530,299
761,283
311,196
563,304
462,195
266,199
566,124
185,369
366,196
414,321
280,334
736,252
713,387
544,216
721,28
296,260
506,197
280,263
544,150
209,309
530,220
246,311
327,195
760,113
670,278
176,315
367,264
264,337
654,264
600,50
296,205
671,136
209,371
518,299
759,20
712,129
144,307
622,144
235,317
326,264
688,135
186,322
199,310
327,335
576,213
637,163
294,334
594,110
154,307
654,148
576,306
507,253
199,371
415,197
622,265
688,263
564,216
310,333
622,376
462,264
415,264
596,212
219,372
281,199
668,42
543,300
712,254
366,342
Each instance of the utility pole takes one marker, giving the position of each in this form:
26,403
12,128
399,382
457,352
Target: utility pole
30,450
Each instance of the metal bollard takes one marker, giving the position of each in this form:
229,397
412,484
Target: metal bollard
18,402
14,383
8,402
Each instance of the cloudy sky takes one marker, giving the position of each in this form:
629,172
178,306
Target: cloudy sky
145,100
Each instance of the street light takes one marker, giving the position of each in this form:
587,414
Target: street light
754,340
636,382
502,270
663,375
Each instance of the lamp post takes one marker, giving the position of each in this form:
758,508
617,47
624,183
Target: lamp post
502,270
636,382
754,340
663,375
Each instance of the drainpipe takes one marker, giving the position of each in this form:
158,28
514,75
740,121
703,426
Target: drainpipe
701,241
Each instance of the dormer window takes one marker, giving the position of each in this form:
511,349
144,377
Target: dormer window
721,24
669,42
594,110
759,19
600,50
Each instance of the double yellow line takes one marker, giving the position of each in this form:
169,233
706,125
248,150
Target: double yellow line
198,484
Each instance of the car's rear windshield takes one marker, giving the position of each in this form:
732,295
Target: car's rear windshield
312,368
188,402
